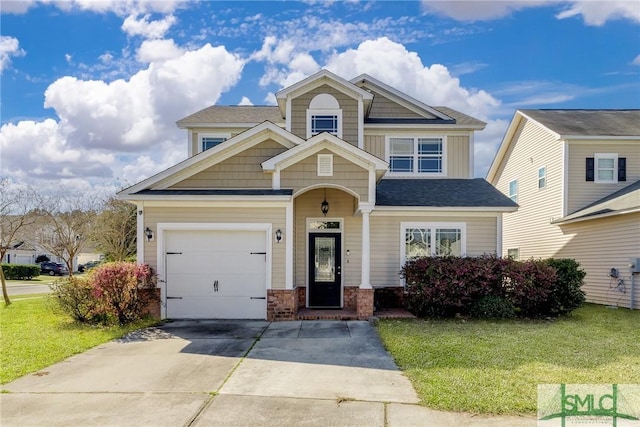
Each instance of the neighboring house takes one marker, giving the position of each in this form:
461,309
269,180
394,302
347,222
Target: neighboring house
312,203
20,253
576,176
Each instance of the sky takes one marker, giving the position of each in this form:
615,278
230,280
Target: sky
91,89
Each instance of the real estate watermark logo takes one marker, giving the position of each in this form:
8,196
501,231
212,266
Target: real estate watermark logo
573,405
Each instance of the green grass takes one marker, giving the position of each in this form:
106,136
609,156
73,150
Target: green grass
33,336
39,280
495,366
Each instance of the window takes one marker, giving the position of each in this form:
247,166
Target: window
210,140
416,155
606,167
514,253
437,239
324,123
324,115
513,190
542,177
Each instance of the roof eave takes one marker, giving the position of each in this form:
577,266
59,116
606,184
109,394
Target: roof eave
587,217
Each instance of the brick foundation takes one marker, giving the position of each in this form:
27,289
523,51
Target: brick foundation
365,303
282,304
350,297
302,296
152,308
390,297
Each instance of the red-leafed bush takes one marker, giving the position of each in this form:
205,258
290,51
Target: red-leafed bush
489,286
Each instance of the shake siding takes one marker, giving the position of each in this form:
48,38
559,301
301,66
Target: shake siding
275,216
458,157
240,171
384,108
374,144
599,245
582,192
341,205
349,106
386,239
529,228
305,173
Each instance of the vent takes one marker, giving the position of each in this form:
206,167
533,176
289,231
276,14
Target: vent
325,164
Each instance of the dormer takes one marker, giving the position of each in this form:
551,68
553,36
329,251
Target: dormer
325,102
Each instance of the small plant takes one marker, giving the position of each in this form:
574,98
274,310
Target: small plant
566,294
492,307
75,297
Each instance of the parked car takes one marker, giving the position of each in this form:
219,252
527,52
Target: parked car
53,269
88,266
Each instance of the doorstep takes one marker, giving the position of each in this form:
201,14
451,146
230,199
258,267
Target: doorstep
350,314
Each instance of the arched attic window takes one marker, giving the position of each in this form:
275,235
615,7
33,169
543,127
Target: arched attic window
324,115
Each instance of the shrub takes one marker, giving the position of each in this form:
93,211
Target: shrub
117,286
74,295
566,294
492,307
20,271
529,285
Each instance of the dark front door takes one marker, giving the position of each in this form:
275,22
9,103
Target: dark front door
325,270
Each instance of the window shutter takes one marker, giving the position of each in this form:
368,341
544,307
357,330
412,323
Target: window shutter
622,168
590,169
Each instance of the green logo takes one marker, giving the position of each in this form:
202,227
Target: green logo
568,405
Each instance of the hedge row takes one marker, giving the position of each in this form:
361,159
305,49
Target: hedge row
492,287
20,271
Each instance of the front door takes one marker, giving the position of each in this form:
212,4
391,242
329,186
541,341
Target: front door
325,275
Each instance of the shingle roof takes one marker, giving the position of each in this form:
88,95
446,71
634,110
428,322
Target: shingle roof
249,114
440,193
623,200
589,122
461,118
218,192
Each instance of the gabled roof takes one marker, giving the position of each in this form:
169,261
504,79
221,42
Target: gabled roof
442,193
317,79
246,116
580,123
625,200
328,141
210,157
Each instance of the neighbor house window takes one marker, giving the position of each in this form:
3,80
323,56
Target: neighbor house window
432,239
513,253
606,167
211,140
513,190
416,155
542,177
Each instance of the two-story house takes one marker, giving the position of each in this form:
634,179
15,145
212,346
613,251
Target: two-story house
576,176
313,203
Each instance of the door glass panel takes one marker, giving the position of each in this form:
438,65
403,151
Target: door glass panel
325,258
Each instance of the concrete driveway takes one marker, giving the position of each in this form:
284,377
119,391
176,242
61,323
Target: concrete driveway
229,373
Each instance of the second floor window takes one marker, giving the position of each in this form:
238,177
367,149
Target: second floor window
513,190
542,177
324,123
211,140
416,155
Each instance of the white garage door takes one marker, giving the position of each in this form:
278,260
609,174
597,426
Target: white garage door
217,274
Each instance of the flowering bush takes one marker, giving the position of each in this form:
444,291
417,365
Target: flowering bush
74,295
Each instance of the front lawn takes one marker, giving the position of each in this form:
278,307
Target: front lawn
495,366
33,336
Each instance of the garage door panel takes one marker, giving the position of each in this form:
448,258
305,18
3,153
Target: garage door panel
198,260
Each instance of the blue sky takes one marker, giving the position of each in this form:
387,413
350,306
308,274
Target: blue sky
91,90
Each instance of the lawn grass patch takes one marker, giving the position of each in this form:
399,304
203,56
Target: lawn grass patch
34,336
495,366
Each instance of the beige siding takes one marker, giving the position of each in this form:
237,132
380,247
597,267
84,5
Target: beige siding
195,135
599,245
275,216
305,173
458,157
386,239
384,108
349,106
529,229
240,171
341,205
374,144
581,192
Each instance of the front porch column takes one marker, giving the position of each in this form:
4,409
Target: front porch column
365,291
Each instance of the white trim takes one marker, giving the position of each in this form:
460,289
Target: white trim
472,154
324,219
365,269
176,226
360,125
415,173
239,126
288,246
140,237
598,139
605,156
499,235
432,226
565,177
327,185
317,112
206,198
217,203
598,216
190,152
203,135
422,126
275,179
325,165
372,187
288,114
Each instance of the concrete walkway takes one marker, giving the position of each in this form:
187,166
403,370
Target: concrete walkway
230,373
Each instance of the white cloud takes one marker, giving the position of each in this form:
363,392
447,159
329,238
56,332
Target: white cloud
9,47
245,101
597,13
158,50
142,26
16,6
636,61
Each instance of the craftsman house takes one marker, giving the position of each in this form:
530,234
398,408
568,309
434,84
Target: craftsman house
576,176
315,203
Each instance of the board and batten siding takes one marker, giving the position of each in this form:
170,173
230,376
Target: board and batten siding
386,239
348,105
305,173
240,171
529,229
341,205
205,215
581,192
599,245
374,144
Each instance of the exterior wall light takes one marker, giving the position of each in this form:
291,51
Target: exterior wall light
149,233
278,235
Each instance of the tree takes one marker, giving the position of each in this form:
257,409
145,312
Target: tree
15,215
114,230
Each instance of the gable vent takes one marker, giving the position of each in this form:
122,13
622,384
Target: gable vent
325,164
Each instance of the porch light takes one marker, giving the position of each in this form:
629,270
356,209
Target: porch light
278,235
324,207
149,233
